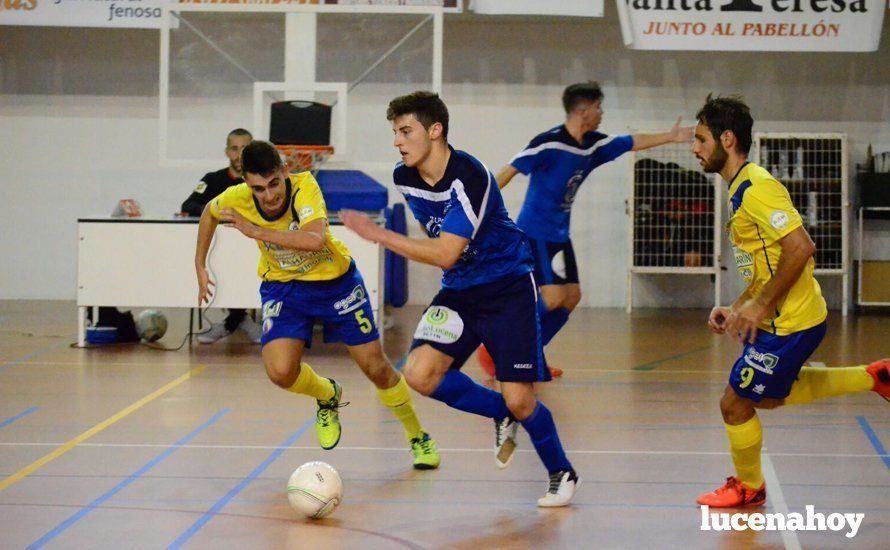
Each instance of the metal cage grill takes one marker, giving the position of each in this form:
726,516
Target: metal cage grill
675,217
673,211
812,169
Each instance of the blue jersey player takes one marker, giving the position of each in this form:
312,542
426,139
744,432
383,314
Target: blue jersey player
558,161
488,291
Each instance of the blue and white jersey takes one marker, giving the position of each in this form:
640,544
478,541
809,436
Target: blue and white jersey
558,165
467,202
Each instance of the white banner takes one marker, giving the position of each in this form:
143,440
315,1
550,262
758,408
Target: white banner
752,25
449,5
586,8
83,13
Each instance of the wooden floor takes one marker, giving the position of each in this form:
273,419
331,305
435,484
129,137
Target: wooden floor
130,447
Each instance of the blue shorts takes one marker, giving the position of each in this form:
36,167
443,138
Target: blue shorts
291,308
554,262
503,315
769,366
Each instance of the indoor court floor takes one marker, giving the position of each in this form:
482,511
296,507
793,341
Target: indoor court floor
129,447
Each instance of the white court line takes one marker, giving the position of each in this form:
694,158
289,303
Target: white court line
628,370
450,450
777,499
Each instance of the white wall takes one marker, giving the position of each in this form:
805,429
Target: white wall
71,145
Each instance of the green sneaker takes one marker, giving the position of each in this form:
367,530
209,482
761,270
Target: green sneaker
426,453
327,420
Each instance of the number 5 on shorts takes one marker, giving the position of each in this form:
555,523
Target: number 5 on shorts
364,324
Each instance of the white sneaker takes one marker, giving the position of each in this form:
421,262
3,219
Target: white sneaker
252,330
561,489
213,334
504,441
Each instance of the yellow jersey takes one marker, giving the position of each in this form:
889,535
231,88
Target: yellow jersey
761,213
305,204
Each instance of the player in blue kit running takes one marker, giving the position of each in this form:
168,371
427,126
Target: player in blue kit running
488,291
558,161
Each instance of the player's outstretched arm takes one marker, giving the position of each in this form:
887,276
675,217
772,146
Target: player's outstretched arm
677,134
206,228
505,175
442,251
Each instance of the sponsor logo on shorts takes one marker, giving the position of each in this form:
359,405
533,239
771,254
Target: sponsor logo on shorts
356,299
440,324
437,315
526,366
764,362
759,389
558,264
271,309
267,326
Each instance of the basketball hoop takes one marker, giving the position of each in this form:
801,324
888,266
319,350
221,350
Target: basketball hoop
302,158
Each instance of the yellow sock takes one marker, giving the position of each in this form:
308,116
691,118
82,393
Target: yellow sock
311,384
819,382
398,399
745,441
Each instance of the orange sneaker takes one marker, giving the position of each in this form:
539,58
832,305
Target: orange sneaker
485,360
733,495
880,371
555,372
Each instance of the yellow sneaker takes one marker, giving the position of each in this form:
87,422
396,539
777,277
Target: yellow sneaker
327,419
426,453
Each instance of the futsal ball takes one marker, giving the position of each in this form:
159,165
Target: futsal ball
314,489
151,325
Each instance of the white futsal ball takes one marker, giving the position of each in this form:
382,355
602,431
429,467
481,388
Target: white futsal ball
314,489
151,325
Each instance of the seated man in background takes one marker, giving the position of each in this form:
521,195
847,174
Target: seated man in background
210,186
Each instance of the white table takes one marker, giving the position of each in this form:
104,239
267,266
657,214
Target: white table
141,262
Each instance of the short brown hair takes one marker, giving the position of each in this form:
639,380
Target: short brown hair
261,158
427,107
720,114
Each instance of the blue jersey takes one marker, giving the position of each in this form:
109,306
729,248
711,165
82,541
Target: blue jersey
558,164
467,202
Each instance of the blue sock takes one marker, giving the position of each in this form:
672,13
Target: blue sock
551,321
542,430
458,391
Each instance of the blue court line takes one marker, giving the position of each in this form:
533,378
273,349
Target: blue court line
875,442
10,420
220,504
31,355
58,529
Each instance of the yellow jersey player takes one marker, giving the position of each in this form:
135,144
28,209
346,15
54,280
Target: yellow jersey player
780,317
307,275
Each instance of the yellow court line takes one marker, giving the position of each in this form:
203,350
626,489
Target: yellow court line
39,463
